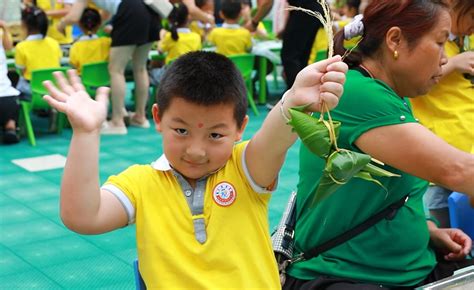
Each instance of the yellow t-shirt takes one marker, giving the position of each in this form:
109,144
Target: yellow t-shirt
237,253
89,49
448,109
231,39
37,53
54,21
187,41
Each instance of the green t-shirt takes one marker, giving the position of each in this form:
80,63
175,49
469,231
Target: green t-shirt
392,252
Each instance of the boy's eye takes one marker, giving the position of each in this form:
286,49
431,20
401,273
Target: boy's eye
215,136
181,131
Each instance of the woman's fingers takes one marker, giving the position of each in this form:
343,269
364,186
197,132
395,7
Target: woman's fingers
55,92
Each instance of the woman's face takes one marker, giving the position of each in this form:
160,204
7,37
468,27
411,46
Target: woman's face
419,68
462,24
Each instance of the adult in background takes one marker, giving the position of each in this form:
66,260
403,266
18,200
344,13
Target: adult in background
298,38
135,27
401,55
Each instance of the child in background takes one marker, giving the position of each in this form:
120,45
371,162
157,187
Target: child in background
89,47
180,39
231,38
201,210
55,10
9,106
198,26
37,51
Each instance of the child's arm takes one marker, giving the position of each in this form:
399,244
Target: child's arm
463,62
84,207
6,40
266,151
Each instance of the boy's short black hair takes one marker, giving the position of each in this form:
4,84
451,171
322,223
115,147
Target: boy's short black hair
204,78
353,4
231,8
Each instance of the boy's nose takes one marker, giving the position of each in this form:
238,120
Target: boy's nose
195,151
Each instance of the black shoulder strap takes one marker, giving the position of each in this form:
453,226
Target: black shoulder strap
388,213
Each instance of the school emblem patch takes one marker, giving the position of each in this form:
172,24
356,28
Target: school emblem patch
224,194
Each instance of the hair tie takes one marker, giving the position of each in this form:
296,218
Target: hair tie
355,28
36,12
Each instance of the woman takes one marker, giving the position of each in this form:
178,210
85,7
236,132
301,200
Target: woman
447,110
401,55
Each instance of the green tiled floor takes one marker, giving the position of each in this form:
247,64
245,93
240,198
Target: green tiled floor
38,252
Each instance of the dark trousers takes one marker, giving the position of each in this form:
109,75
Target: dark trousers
442,270
298,38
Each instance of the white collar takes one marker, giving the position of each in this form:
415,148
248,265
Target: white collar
88,37
232,26
35,36
183,30
161,164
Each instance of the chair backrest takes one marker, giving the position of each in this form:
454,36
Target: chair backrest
461,214
139,283
244,62
37,88
96,74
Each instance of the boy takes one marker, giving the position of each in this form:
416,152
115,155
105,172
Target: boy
201,209
231,38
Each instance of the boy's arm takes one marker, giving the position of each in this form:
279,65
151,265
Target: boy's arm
266,151
84,207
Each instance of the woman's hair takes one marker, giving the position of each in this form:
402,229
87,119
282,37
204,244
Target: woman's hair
35,20
90,21
177,18
415,18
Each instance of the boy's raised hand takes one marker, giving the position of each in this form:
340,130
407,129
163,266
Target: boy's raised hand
85,114
320,81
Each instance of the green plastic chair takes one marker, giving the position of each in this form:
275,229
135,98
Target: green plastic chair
37,102
245,63
276,51
95,75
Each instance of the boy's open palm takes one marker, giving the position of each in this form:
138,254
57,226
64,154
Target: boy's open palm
84,113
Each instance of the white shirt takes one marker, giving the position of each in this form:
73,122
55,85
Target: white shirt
110,5
6,89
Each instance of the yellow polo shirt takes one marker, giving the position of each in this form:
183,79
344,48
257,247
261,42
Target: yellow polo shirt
188,41
237,253
54,21
89,49
231,39
448,109
37,53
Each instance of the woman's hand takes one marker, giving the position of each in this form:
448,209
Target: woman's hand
85,114
454,244
464,62
319,82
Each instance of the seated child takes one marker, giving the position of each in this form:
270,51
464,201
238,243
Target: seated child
180,39
9,106
231,38
36,51
198,26
56,10
201,210
89,47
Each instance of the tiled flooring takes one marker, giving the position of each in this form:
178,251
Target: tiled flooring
38,252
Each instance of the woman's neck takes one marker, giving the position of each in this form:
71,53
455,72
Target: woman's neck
378,70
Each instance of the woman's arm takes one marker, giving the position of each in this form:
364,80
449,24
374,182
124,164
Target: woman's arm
414,149
197,13
73,15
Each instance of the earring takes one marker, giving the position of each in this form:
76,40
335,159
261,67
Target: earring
395,54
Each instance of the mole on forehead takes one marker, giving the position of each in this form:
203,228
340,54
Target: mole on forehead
200,125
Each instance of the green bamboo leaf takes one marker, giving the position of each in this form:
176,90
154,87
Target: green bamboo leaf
313,133
377,171
367,176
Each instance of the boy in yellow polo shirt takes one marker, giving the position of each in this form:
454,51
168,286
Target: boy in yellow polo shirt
55,10
200,209
231,38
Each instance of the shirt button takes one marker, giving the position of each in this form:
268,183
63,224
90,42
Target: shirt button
402,118
187,193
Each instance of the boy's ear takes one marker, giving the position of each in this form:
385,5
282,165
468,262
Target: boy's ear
241,130
155,109
221,15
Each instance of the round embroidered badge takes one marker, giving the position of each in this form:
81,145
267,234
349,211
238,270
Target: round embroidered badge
224,194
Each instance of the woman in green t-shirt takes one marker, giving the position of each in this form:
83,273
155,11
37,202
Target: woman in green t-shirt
400,56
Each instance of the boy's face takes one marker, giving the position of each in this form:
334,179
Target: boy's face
197,140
